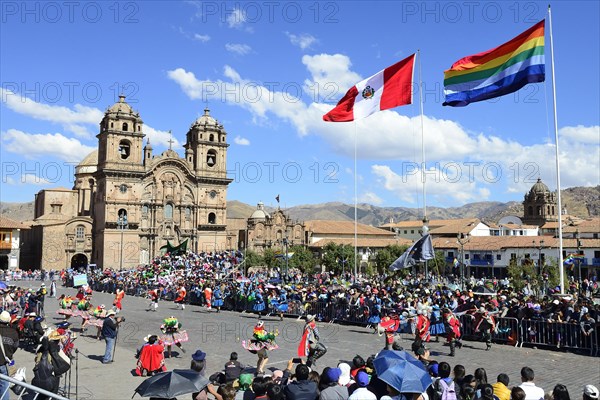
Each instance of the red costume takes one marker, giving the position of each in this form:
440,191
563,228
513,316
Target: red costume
181,294
303,347
454,324
151,359
390,325
118,299
422,329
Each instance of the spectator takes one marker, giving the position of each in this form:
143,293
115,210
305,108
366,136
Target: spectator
481,377
501,389
259,387
332,389
362,392
109,331
443,386
516,393
560,392
244,392
275,392
233,368
10,344
459,374
590,392
532,392
301,388
485,392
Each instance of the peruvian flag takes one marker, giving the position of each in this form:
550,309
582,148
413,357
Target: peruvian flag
389,88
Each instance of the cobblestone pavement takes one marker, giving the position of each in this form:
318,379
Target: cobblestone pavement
218,334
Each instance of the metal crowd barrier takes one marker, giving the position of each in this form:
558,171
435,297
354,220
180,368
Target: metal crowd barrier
560,335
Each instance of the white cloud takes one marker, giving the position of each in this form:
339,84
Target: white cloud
241,141
581,134
370,198
304,40
238,48
331,76
161,138
201,38
28,179
31,145
236,18
70,119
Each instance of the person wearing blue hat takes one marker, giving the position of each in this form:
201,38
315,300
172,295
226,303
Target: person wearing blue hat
199,355
333,390
437,327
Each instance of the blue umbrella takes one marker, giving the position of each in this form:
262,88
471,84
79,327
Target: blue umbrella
407,378
3,286
402,371
388,358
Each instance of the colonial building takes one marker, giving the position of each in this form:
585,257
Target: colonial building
10,243
540,206
127,202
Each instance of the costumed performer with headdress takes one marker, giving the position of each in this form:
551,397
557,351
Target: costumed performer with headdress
452,326
181,295
172,334
117,302
261,342
66,306
217,301
151,359
310,346
389,325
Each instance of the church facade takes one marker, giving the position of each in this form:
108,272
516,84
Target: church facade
127,203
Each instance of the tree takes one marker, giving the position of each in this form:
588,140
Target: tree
303,259
520,271
253,259
438,264
269,258
337,258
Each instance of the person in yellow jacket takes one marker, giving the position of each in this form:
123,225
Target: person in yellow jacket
501,389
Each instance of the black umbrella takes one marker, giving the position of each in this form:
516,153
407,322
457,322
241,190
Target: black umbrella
171,384
483,291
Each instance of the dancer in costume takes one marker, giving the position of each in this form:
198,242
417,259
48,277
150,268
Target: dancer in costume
66,306
422,326
153,295
117,302
259,302
310,346
437,327
389,325
172,334
83,308
280,305
261,342
452,326
217,298
208,296
181,295
151,359
485,324
98,315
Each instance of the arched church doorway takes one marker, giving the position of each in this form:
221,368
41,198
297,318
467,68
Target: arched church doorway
79,261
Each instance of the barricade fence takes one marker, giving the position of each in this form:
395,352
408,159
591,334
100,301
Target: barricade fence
508,330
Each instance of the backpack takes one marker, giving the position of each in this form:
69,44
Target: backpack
443,391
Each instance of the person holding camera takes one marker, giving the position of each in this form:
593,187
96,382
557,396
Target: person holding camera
110,327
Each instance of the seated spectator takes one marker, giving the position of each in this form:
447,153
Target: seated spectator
532,392
501,389
516,393
301,388
560,392
362,392
590,392
233,368
259,387
330,387
244,392
275,392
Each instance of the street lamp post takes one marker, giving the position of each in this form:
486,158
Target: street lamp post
540,266
285,243
122,224
577,237
462,239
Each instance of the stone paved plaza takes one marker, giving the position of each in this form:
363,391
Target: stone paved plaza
218,334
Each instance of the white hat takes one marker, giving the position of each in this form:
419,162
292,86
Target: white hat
591,391
310,317
110,312
5,317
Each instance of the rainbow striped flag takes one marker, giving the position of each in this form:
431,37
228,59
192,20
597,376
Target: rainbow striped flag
499,71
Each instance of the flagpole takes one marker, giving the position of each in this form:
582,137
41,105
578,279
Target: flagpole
560,236
355,205
423,175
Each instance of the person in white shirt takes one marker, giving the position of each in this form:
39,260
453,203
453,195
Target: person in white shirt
532,392
361,392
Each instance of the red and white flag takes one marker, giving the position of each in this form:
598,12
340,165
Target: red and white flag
389,88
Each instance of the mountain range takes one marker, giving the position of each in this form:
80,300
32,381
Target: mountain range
582,202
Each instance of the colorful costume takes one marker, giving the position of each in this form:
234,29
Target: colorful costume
452,330
259,302
154,296
261,339
120,293
151,359
422,327
208,297
437,322
172,333
181,295
217,298
310,346
389,325
66,305
485,324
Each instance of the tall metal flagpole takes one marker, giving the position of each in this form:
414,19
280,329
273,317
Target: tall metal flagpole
423,175
560,237
355,205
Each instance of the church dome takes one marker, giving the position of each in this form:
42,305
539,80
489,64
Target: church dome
89,164
260,212
121,106
539,187
206,120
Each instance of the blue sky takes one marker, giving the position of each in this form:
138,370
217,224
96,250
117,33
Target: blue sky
269,70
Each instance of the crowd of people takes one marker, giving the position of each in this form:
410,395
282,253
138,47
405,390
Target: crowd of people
432,308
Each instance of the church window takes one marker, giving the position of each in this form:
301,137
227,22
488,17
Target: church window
122,217
211,138
56,208
539,210
530,210
211,158
553,210
123,188
188,212
168,211
80,232
112,124
125,126
124,149
212,218
139,128
145,210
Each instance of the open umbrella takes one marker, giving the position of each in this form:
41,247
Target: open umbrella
407,378
172,384
388,358
3,285
483,291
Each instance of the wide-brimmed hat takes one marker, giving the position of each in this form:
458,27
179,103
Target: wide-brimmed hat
199,355
4,317
110,312
55,335
32,314
310,317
